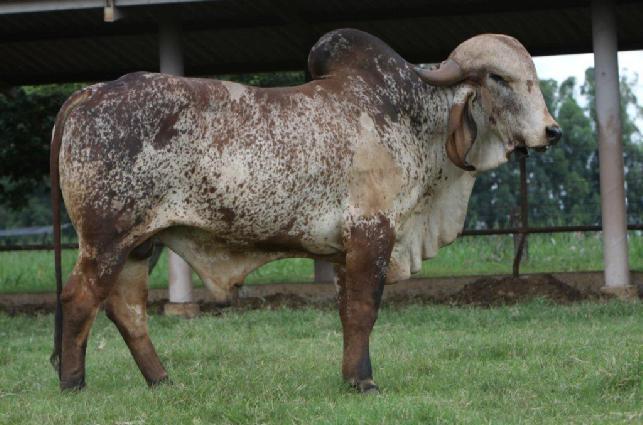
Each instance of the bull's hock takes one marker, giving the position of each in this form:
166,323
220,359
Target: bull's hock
185,310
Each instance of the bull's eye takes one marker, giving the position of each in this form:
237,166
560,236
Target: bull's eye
498,79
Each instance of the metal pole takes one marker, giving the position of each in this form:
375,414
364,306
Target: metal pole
524,216
610,150
180,275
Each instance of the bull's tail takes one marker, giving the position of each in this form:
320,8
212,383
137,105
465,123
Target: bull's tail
54,173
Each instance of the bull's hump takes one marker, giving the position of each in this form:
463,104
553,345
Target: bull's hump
347,51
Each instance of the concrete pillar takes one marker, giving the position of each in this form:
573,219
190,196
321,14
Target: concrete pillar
180,279
610,150
170,49
180,275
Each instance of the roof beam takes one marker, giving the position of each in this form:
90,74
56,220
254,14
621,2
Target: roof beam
248,67
37,6
445,9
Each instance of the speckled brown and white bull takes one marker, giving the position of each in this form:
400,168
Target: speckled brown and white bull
369,166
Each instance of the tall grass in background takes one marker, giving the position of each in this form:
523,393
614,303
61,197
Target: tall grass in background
32,271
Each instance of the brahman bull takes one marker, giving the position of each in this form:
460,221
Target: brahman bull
369,166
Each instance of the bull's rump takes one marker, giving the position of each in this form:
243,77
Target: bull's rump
150,151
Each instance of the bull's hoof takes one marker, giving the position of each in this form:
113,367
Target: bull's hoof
154,383
70,385
369,389
366,386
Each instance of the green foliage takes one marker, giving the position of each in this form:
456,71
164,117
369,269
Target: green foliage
26,121
535,363
35,209
268,79
631,137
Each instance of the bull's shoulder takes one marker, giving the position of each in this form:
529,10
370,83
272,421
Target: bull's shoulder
350,51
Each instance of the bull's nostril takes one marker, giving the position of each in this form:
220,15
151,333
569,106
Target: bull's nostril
553,133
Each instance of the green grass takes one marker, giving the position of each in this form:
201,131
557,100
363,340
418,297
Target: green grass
527,364
32,271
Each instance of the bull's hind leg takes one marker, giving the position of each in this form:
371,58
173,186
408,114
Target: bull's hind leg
360,284
126,307
80,298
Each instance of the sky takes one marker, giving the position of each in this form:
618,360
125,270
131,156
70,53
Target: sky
561,67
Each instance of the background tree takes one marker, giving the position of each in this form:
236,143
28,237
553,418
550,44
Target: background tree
26,119
632,139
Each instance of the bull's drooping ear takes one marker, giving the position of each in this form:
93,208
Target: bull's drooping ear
447,73
462,131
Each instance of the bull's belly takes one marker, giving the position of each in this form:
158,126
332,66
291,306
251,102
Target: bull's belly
223,265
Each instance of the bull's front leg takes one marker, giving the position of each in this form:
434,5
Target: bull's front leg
368,249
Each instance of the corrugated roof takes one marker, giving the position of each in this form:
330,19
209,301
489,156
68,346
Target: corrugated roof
235,36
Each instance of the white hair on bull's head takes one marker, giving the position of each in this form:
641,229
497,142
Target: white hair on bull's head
497,101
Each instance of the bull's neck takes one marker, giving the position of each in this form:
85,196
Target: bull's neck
428,111
430,108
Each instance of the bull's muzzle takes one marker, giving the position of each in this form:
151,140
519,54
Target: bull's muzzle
553,133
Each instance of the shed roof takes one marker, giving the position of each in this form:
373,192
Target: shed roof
67,40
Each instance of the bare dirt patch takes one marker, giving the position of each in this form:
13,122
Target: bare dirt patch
275,301
28,309
490,291
485,291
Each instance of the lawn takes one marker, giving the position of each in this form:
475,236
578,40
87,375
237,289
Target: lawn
527,364
32,271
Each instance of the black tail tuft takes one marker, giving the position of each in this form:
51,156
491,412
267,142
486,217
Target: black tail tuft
54,359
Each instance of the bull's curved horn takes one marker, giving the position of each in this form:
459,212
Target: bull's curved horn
447,74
